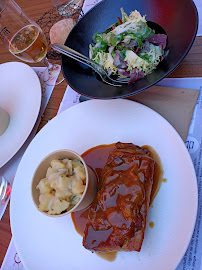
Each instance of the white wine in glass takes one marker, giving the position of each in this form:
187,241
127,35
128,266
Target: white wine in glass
29,44
24,38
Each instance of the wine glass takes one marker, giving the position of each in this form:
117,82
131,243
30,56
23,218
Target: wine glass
67,7
5,190
25,39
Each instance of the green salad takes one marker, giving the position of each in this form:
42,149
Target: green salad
128,48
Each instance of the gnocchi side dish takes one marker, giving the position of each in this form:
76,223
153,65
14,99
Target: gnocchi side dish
62,187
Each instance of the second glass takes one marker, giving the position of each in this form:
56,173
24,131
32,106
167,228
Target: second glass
67,7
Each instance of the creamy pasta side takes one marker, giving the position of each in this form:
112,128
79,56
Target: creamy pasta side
62,187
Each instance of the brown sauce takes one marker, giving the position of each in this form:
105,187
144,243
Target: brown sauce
164,180
96,158
158,173
151,224
109,256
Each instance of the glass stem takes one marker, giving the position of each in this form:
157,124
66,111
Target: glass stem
51,73
46,63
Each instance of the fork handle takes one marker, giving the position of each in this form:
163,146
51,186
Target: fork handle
75,55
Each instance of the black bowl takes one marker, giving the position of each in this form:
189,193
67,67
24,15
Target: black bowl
178,18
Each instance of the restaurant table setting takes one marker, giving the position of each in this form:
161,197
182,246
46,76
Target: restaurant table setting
178,100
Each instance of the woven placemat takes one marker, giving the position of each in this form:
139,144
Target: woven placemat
47,20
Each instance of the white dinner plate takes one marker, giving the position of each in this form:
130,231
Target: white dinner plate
53,243
20,96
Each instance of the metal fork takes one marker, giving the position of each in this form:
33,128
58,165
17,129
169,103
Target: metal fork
5,190
87,61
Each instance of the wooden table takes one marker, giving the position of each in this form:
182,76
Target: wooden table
190,67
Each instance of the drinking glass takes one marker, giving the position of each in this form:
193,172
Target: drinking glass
67,7
24,38
5,190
